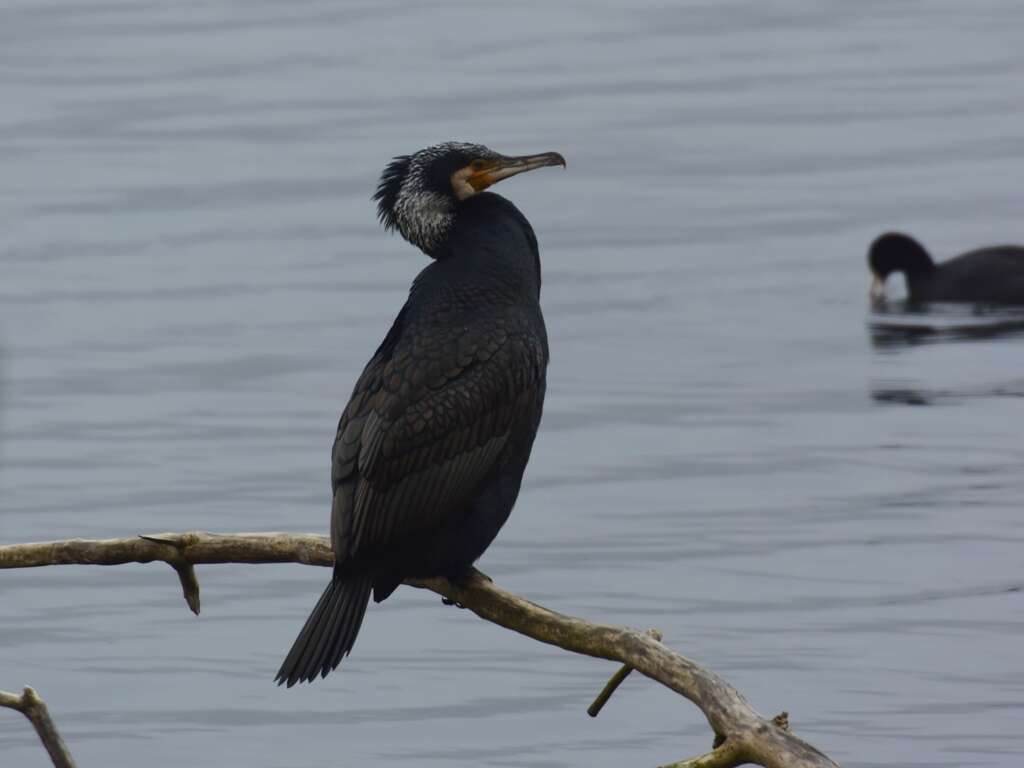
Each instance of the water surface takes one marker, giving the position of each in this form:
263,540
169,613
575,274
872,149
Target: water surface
736,449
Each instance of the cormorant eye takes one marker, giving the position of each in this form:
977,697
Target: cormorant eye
477,164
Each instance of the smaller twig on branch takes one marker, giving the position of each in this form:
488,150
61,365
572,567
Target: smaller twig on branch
616,680
186,573
728,755
34,708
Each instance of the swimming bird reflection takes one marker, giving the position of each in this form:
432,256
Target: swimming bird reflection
901,324
897,394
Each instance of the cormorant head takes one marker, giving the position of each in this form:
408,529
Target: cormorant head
895,252
419,194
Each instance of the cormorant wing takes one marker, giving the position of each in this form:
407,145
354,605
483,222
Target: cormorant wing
426,424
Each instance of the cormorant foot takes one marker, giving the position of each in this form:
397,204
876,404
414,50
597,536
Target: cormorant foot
446,601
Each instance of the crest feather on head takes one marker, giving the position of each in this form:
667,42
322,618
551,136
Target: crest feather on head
388,189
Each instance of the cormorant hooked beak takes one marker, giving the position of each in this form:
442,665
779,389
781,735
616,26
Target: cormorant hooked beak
877,288
484,173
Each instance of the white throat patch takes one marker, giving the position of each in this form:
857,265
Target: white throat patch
422,217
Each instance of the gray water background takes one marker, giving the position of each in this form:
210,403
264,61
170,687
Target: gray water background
735,449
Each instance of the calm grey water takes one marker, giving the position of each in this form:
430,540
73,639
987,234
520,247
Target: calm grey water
820,502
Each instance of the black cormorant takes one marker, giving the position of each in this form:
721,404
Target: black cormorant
994,274
431,448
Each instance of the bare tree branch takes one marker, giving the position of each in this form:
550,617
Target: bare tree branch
743,735
34,708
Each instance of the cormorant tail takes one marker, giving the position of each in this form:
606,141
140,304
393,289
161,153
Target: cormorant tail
330,631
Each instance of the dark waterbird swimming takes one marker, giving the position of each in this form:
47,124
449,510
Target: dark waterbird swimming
431,448
987,275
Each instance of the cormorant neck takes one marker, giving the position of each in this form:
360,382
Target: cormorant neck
490,238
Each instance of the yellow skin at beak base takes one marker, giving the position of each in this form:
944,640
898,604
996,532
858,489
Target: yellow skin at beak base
506,167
